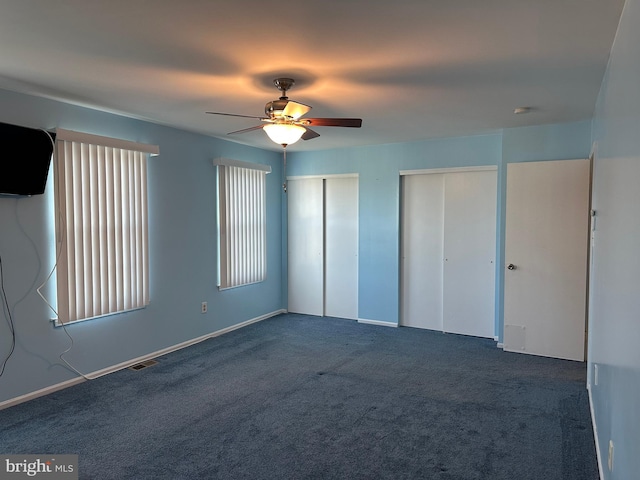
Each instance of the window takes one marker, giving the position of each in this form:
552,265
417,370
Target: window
241,222
101,225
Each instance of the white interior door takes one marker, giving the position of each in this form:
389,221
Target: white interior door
547,245
421,251
341,247
469,252
305,246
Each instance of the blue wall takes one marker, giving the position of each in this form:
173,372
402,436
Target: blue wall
183,238
614,321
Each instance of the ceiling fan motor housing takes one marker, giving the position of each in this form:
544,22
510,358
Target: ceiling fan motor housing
275,108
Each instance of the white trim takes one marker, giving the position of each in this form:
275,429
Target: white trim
430,171
229,162
500,345
57,323
595,433
222,289
182,345
377,322
40,393
333,175
120,366
71,136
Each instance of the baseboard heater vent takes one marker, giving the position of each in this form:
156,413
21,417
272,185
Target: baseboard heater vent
141,365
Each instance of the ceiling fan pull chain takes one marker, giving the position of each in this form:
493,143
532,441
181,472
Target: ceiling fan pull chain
284,169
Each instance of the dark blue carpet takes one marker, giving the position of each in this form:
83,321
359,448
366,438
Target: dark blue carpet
298,397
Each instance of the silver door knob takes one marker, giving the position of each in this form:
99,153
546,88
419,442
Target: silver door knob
511,266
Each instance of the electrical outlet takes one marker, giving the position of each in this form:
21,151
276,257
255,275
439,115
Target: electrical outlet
610,462
204,307
595,374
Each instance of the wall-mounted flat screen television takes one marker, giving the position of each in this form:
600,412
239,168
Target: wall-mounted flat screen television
24,165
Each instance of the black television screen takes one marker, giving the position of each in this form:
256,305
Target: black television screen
25,164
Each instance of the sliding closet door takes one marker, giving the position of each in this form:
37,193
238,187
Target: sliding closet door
469,253
341,247
422,223
448,251
305,246
323,246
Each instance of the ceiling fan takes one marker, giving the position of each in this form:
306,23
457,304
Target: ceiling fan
283,121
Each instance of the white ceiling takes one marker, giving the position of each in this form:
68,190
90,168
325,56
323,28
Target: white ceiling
411,69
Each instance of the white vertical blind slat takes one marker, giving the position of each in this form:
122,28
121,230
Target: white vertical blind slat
101,227
110,181
94,270
70,195
145,229
127,249
236,226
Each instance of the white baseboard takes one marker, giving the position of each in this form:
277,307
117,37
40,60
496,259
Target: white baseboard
114,368
182,345
595,433
377,322
40,393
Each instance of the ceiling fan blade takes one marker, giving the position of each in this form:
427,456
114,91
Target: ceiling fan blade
246,129
233,115
309,134
295,110
334,122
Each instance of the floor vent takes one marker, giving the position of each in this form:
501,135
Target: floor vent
141,365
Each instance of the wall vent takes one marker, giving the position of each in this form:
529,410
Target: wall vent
141,365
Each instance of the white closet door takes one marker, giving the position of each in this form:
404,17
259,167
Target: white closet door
341,247
421,231
469,253
305,246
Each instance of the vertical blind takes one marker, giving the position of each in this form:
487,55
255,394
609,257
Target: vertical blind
242,222
102,233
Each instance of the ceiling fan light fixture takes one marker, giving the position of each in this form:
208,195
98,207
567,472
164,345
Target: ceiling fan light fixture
284,133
